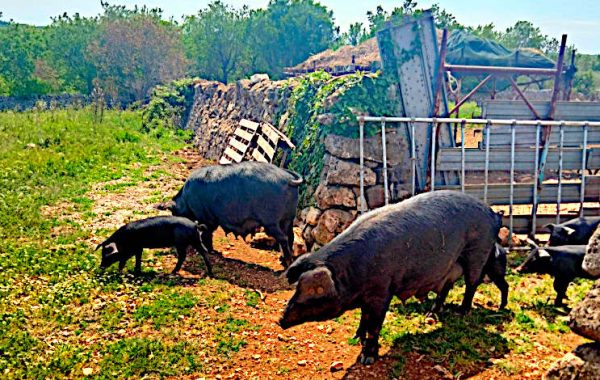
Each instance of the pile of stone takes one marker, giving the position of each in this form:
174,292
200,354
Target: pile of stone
218,109
584,320
338,194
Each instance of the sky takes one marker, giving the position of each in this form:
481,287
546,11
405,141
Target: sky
579,19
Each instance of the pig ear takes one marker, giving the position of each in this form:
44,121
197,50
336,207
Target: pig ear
98,246
543,253
568,230
316,283
550,226
202,227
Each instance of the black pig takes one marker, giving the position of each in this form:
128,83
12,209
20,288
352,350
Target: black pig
240,198
573,232
562,262
156,232
403,249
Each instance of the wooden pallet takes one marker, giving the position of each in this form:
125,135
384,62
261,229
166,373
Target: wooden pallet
239,142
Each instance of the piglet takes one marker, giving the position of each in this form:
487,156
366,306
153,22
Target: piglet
155,232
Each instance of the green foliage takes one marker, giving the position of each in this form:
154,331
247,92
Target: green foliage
311,98
584,82
166,309
169,104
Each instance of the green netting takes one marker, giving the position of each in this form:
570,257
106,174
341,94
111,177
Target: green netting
467,49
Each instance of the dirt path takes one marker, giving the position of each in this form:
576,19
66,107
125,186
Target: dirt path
306,351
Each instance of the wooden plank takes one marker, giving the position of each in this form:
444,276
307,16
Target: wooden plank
249,124
244,134
499,194
270,134
240,146
224,160
266,147
258,156
565,110
450,159
235,156
573,136
521,223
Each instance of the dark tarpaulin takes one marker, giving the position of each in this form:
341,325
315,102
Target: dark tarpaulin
467,49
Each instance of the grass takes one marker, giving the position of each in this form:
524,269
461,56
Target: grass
60,317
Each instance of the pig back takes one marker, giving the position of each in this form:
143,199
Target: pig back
233,195
411,246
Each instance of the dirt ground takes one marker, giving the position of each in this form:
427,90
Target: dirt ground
306,351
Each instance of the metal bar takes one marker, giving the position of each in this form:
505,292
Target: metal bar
386,190
583,167
440,73
433,143
557,74
538,131
512,178
560,170
361,131
413,156
468,96
443,120
499,70
462,156
487,160
527,102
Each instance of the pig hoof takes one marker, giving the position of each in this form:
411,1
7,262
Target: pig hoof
367,360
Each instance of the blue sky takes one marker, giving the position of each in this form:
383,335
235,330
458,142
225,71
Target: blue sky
580,19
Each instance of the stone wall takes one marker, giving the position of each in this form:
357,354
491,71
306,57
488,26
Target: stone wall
218,108
45,101
338,194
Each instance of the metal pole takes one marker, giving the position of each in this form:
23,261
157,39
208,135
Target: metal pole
385,171
561,131
413,155
462,155
433,142
487,160
583,167
512,177
538,130
361,131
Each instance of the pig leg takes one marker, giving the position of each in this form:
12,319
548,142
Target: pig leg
473,274
181,254
138,261
501,283
204,253
282,240
362,327
560,286
374,315
207,239
438,304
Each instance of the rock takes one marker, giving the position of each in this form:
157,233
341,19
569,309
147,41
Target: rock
263,241
444,372
299,247
349,148
585,316
87,371
308,238
582,363
302,363
331,223
375,196
591,260
347,173
336,366
503,235
331,196
312,216
258,78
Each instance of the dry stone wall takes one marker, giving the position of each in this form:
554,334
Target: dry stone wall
338,194
218,108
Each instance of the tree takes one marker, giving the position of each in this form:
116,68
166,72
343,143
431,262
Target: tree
67,40
287,33
215,41
356,34
134,51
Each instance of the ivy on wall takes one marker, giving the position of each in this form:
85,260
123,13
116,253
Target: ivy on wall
169,104
338,100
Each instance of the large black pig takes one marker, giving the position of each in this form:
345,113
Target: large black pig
403,249
240,198
573,232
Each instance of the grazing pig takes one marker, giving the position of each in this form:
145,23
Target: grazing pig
240,198
156,232
403,249
562,262
574,232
